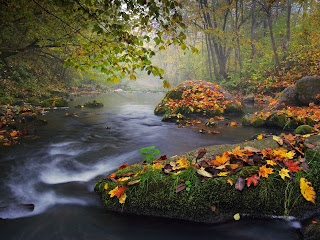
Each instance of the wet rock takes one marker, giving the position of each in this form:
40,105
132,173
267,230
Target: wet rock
307,90
289,96
303,129
249,99
93,104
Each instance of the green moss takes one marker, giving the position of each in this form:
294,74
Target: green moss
259,122
233,108
211,123
174,94
311,231
54,102
279,121
155,193
303,129
246,121
93,104
6,100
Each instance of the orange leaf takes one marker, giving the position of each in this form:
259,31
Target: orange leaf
264,171
123,166
293,166
253,179
221,160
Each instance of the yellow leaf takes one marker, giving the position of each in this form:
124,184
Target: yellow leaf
177,173
220,160
157,166
232,124
113,192
307,190
166,84
230,182
223,174
279,140
236,216
123,198
123,179
271,162
260,136
284,173
182,163
106,186
264,171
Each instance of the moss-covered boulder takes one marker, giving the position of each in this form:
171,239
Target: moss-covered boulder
307,89
198,97
149,190
54,102
303,129
93,104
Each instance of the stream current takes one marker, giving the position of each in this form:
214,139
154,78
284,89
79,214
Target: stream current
57,172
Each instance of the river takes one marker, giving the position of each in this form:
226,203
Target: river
57,173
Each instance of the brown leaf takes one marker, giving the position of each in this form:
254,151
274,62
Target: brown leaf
204,164
133,182
201,153
310,145
204,173
240,184
305,166
252,149
128,174
213,208
180,187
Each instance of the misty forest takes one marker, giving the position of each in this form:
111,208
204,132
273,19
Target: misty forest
160,119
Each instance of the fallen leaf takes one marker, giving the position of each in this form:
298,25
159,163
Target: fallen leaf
201,153
117,191
252,149
106,186
264,171
204,173
123,166
310,145
123,179
253,179
239,184
123,198
180,187
213,208
289,137
307,190
230,182
232,124
223,174
133,182
292,165
221,160
279,140
284,173
236,216
271,162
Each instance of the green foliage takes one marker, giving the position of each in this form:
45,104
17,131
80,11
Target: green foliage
150,153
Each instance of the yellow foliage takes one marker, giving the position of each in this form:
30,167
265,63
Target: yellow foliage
284,173
123,198
264,171
307,190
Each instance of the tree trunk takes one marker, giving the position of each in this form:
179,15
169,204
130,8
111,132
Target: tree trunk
273,42
253,46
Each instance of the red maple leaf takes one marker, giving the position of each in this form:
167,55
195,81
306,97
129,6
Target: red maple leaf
253,179
293,166
123,166
120,191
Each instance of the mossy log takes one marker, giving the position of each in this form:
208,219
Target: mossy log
155,193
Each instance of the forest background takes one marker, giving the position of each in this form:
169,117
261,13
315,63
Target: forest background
252,46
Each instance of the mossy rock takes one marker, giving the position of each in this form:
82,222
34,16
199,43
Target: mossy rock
200,98
233,108
245,121
93,104
259,122
54,102
307,89
281,121
311,231
155,193
303,129
211,123
172,117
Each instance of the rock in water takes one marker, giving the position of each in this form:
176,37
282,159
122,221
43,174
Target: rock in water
197,97
307,90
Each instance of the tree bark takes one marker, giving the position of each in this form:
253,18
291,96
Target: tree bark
273,42
253,23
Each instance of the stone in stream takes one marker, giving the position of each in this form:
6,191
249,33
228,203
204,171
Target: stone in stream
155,193
197,97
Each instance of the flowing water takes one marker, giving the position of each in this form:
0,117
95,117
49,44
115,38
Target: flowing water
57,173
